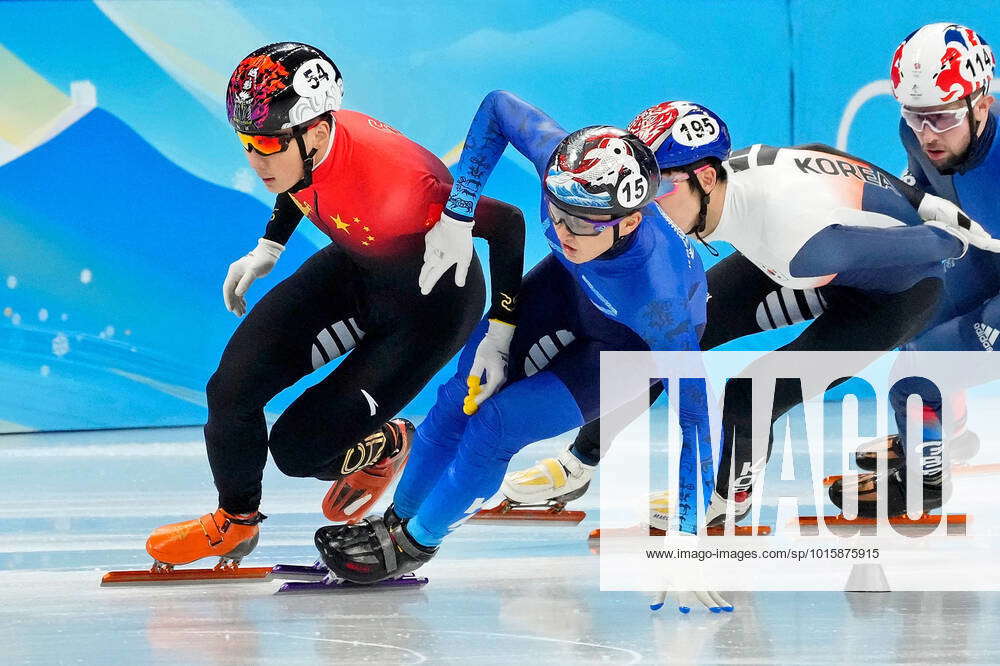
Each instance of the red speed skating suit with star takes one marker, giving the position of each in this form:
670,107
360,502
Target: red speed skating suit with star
375,193
349,199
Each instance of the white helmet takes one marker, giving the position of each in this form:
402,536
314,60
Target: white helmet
940,63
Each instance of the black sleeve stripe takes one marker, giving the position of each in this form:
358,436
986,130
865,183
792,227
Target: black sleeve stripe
352,327
803,303
741,163
343,346
766,155
784,307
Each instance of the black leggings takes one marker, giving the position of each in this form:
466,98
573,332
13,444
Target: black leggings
744,300
328,307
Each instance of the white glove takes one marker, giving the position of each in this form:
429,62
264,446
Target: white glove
941,210
447,244
245,270
713,601
944,212
491,359
687,580
975,236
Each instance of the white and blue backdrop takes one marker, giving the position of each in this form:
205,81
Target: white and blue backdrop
123,196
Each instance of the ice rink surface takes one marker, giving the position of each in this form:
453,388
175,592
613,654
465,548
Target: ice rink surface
75,505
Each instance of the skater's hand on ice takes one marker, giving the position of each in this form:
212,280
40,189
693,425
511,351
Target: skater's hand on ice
713,601
245,270
491,361
447,244
686,575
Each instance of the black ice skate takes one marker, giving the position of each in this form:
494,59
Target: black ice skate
960,449
867,456
893,485
371,551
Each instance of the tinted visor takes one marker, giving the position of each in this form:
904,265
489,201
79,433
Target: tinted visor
265,144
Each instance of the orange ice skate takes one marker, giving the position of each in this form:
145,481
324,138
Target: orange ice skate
229,537
351,497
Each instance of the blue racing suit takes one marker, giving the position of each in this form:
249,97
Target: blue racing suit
968,315
647,293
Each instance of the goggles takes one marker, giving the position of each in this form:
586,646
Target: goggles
938,121
271,144
579,226
265,144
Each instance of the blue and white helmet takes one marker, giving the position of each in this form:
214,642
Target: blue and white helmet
681,133
601,170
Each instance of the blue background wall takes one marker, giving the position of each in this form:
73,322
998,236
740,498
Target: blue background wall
118,229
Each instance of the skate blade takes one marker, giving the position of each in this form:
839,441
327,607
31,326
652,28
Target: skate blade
335,585
298,572
926,519
955,524
645,530
515,515
185,576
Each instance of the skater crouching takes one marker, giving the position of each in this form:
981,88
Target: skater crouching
376,194
620,277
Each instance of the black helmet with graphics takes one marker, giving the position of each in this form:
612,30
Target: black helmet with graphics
281,86
601,170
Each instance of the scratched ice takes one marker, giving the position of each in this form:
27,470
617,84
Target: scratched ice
74,505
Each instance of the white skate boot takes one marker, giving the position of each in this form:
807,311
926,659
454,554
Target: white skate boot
549,482
659,513
540,493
